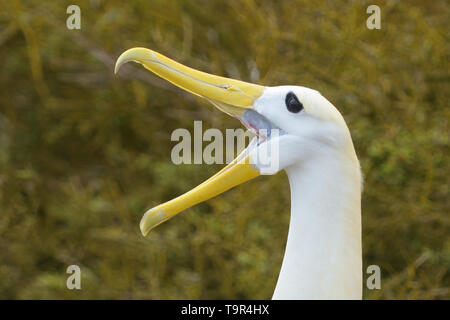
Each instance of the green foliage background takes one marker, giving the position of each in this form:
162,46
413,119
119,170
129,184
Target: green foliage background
84,153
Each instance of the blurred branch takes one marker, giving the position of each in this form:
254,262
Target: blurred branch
33,49
128,72
8,32
404,275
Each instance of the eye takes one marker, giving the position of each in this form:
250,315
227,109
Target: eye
292,103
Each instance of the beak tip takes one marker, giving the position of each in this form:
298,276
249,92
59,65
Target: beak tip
144,234
119,63
142,226
133,54
151,219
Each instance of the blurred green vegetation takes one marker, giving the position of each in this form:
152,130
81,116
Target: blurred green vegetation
84,153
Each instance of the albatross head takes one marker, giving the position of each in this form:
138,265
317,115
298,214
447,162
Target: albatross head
294,125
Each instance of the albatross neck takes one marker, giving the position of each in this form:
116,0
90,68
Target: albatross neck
323,258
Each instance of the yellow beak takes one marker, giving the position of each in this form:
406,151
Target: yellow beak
229,95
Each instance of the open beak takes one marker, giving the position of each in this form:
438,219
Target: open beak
231,96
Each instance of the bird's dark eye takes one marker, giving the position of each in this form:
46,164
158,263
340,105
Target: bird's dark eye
292,103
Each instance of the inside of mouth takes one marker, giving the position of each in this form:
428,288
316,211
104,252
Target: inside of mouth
259,124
